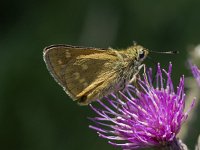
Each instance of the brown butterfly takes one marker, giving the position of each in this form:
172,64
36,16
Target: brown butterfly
88,73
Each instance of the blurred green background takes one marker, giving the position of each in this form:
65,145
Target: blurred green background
35,113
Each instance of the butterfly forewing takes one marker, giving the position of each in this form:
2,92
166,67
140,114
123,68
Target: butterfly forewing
82,72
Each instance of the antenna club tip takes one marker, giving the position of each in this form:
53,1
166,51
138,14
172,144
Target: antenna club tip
175,52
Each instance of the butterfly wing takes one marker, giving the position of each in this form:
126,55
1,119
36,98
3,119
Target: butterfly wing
84,73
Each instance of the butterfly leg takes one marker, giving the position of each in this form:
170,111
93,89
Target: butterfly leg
133,79
136,77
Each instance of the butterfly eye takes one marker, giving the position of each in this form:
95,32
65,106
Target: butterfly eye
142,54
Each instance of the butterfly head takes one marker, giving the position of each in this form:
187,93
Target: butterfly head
141,53
138,52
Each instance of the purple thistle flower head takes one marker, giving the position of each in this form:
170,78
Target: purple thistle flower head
196,73
149,117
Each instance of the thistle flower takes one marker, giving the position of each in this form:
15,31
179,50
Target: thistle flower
149,117
196,73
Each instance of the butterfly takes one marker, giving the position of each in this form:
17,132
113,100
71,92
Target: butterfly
87,74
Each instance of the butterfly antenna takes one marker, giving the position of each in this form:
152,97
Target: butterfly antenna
166,52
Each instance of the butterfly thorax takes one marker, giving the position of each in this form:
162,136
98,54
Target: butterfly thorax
127,66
